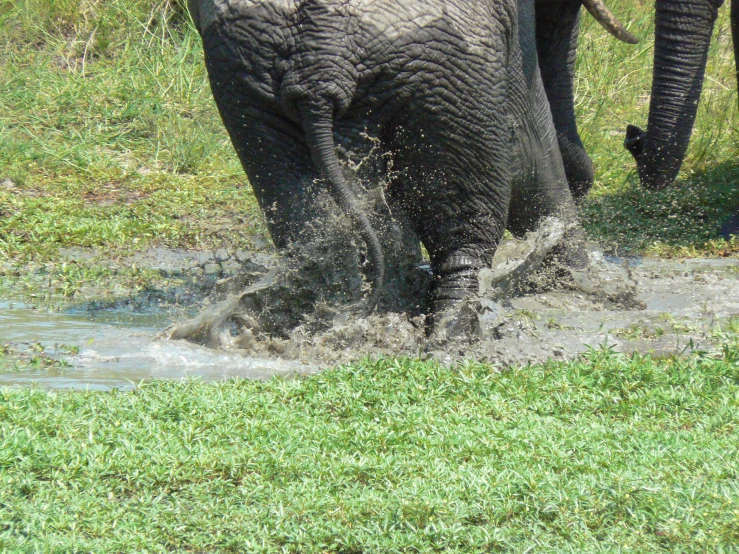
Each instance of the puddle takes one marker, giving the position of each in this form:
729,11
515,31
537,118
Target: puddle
85,346
105,349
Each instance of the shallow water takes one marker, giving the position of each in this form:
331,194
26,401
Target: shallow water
117,349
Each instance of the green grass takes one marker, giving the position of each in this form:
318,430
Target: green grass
609,453
109,137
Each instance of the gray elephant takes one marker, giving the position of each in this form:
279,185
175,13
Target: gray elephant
449,89
557,30
683,31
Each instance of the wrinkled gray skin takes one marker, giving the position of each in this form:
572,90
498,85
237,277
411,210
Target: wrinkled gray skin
683,31
557,30
450,89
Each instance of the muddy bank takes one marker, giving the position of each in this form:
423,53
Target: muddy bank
100,349
684,302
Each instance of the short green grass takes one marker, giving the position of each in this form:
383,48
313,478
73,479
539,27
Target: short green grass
109,137
608,453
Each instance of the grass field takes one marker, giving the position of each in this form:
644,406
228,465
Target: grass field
607,454
109,138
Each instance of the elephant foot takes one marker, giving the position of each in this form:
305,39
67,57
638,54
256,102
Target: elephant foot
468,321
730,227
465,302
455,304
452,289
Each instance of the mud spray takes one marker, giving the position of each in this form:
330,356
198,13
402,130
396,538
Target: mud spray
310,305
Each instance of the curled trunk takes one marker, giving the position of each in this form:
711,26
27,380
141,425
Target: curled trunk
682,36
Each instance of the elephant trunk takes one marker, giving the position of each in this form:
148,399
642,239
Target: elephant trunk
317,119
682,37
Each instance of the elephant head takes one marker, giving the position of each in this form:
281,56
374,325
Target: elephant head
682,37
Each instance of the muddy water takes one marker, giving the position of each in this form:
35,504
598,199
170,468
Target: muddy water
77,348
84,347
685,302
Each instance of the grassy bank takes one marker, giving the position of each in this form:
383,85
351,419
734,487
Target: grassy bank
607,453
109,137
109,134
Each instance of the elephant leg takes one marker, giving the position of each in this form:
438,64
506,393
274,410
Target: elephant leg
731,226
540,187
557,30
280,171
271,147
540,190
454,185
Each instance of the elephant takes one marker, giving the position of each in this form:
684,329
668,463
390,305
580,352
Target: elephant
452,92
557,31
683,31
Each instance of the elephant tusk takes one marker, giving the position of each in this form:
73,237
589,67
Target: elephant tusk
603,15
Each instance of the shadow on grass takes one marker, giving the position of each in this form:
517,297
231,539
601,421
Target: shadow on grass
685,219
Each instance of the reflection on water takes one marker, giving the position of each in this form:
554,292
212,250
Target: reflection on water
117,348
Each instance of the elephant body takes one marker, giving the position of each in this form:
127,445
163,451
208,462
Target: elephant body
451,91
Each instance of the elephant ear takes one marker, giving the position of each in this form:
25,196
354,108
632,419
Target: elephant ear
634,141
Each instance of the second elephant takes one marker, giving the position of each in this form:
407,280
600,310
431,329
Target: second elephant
683,30
557,31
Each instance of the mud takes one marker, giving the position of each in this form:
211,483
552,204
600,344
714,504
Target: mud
76,346
304,309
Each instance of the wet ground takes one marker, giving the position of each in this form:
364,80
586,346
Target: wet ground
685,302
82,343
